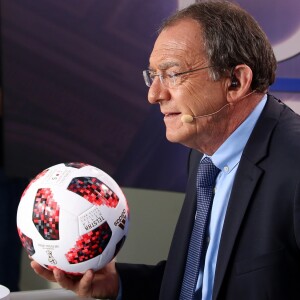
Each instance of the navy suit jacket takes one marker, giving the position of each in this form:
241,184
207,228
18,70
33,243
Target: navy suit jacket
259,255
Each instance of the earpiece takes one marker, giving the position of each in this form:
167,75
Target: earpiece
234,82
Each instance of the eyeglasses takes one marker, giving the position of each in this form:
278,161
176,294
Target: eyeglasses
168,79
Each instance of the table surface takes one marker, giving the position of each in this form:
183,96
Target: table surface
49,294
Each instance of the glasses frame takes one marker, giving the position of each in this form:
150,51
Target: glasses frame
149,80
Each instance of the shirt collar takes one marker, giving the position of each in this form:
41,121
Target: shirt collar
227,157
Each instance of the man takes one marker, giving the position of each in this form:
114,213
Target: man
209,71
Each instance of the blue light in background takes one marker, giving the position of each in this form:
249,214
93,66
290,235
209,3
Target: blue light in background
282,84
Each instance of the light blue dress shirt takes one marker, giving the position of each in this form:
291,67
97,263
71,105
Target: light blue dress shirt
227,159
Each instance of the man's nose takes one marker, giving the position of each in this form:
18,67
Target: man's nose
158,92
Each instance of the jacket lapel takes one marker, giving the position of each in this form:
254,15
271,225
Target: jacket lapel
248,174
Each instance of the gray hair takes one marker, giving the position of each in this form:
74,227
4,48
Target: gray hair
231,37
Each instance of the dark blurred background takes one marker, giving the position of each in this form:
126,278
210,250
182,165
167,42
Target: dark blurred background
73,90
73,87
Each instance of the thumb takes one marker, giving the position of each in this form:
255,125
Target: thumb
86,284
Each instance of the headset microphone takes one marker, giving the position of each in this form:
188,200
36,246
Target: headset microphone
190,118
187,118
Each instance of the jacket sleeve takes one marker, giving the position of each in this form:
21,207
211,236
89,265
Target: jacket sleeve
140,281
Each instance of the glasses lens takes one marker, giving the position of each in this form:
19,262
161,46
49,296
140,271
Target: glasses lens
147,78
168,80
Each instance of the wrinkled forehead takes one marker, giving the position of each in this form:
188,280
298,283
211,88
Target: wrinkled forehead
180,43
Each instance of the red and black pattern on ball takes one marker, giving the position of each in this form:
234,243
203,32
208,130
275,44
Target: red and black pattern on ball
26,242
90,244
94,190
34,180
45,215
77,165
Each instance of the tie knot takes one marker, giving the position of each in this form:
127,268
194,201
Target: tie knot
207,173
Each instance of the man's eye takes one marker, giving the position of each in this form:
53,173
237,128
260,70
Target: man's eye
172,75
152,75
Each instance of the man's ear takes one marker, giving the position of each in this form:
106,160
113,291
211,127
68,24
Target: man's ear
239,83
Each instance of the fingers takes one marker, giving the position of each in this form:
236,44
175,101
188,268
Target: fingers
106,282
41,271
85,284
63,280
102,284
82,286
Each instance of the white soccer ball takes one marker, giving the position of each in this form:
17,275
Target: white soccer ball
74,217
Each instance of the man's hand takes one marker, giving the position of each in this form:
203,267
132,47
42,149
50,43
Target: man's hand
101,284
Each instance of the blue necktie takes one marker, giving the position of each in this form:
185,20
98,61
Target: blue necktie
206,177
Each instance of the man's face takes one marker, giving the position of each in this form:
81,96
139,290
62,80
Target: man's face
179,48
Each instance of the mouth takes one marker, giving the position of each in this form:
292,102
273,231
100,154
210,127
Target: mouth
171,115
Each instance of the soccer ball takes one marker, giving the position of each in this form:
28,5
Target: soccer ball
74,217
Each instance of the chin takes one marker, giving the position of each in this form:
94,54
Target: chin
181,138
174,137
